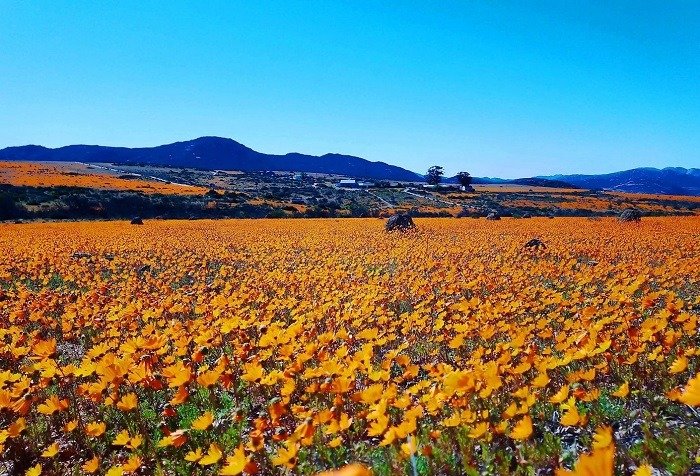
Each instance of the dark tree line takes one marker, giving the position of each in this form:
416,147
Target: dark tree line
75,203
436,172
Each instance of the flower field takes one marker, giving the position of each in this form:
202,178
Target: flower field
299,346
63,174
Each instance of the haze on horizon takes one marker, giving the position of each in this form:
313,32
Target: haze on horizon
496,88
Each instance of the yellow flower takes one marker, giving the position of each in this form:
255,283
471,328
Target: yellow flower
212,456
95,429
622,391
603,437
91,465
523,429
33,471
235,464
354,469
50,451
599,463
691,392
128,402
203,422
643,470
561,395
571,417
679,365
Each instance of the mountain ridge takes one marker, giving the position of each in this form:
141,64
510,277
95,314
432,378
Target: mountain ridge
218,153
213,153
650,180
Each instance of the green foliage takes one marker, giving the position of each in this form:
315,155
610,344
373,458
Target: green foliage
434,175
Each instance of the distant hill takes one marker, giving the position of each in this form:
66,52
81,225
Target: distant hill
480,180
214,153
668,181
531,182
542,182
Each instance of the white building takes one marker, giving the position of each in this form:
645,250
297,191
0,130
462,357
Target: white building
348,183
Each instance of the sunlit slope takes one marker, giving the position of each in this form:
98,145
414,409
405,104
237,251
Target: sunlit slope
69,174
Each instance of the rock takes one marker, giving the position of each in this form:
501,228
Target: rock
136,221
401,221
81,254
535,244
630,215
493,216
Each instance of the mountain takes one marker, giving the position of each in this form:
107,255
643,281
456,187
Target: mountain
214,153
542,182
481,180
668,181
530,182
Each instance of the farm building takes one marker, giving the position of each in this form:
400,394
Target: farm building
352,183
348,183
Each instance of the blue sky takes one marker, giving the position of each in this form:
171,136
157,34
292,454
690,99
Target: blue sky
497,88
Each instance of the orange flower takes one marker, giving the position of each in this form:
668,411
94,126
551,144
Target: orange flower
315,332
50,451
691,392
212,456
599,463
33,471
679,365
523,429
52,405
622,391
354,469
92,465
128,402
95,429
603,437
235,464
203,422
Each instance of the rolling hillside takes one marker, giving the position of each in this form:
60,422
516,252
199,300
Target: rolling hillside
667,181
214,153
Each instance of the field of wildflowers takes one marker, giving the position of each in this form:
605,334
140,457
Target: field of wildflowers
300,346
62,174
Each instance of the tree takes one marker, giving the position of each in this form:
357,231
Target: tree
434,175
464,179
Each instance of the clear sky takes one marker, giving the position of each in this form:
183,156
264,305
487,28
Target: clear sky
497,88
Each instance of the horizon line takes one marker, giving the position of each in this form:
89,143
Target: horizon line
639,167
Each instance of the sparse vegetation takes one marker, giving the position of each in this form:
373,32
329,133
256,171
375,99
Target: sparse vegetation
286,195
